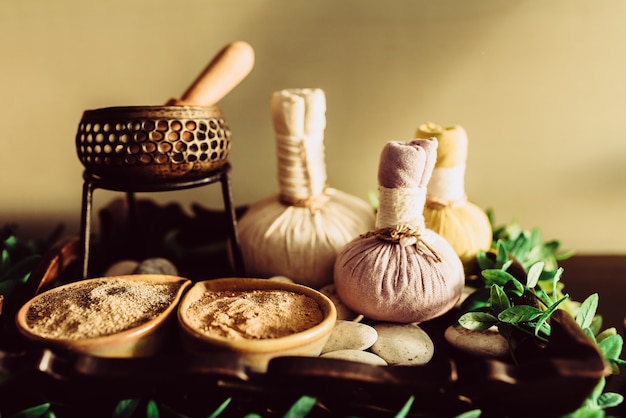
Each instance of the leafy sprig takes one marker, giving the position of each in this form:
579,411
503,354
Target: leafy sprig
18,257
519,288
610,344
527,246
608,341
511,305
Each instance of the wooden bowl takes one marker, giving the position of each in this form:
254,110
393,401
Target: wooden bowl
256,351
152,144
99,316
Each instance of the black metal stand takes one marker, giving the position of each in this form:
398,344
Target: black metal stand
93,182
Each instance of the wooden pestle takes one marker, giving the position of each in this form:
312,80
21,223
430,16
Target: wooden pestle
225,71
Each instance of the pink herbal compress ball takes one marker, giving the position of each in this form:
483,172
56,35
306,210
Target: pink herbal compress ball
401,271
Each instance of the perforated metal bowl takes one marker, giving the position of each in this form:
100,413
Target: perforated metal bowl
153,143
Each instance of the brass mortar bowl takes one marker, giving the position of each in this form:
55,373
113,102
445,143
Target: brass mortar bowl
153,144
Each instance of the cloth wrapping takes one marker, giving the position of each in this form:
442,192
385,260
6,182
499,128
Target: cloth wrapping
386,280
299,120
298,232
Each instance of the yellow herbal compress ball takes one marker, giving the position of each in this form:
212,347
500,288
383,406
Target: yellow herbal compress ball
447,210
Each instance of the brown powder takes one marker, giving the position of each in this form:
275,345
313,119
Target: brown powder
99,308
253,314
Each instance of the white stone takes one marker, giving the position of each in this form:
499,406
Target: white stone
487,343
343,312
281,279
403,344
157,265
350,335
356,355
121,268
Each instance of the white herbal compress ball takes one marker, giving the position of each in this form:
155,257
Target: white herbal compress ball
298,232
401,271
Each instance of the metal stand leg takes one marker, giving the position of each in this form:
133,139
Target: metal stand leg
234,236
85,225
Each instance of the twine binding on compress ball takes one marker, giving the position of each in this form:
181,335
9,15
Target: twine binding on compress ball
405,235
314,203
435,203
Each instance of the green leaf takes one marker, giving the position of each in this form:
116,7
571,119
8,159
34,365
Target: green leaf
125,408
406,408
597,390
564,255
534,273
542,331
521,247
555,281
519,313
587,311
499,300
497,276
611,346
5,260
514,287
11,242
591,335
474,413
502,255
152,410
596,324
33,412
301,407
610,400
546,314
505,266
552,246
220,408
543,296
484,262
606,333
478,300
477,321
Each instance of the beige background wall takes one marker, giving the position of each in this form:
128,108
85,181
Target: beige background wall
540,87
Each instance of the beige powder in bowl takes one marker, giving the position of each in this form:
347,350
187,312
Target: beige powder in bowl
253,314
99,308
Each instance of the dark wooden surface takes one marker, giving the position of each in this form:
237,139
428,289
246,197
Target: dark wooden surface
602,274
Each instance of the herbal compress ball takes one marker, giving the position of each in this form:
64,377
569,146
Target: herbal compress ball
299,232
401,271
447,211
